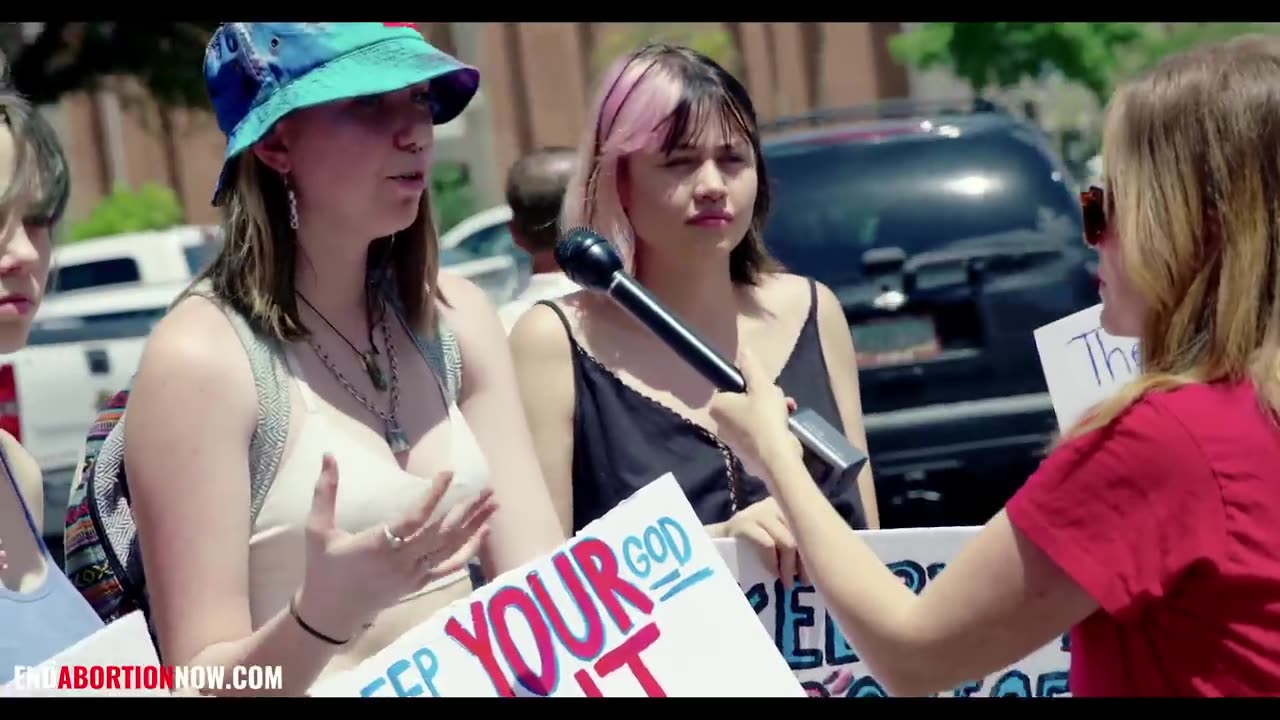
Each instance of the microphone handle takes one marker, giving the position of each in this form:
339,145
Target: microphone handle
645,308
813,431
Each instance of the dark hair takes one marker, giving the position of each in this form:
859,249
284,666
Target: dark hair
632,105
40,173
535,191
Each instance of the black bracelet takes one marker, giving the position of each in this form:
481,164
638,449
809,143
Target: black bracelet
293,610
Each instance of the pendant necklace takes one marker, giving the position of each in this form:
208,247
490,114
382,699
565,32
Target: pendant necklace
367,358
395,436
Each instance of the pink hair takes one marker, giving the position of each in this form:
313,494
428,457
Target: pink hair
637,95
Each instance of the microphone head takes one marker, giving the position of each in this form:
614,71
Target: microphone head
588,259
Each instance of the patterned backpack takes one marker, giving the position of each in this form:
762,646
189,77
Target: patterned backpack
102,555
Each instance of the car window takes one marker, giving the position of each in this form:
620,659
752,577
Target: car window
95,274
102,326
489,241
197,256
833,202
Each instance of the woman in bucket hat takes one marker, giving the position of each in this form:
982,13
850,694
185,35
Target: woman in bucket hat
388,372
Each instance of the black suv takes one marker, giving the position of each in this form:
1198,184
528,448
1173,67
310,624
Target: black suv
949,234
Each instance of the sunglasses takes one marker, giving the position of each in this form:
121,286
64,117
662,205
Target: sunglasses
1093,208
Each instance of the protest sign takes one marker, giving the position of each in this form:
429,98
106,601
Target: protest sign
1082,363
124,643
823,660
639,603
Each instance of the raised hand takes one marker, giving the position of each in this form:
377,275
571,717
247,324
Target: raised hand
764,525
351,577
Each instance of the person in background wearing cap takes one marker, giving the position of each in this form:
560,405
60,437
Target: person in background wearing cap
331,256
535,190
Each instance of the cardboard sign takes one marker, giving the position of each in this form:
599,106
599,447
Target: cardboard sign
1082,363
823,660
640,603
124,642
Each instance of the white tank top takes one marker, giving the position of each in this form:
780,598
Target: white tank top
372,490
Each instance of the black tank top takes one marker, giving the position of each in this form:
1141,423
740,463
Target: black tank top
623,440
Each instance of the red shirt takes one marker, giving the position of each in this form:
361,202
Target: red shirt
1170,519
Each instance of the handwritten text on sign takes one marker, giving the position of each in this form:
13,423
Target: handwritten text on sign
1082,363
823,660
638,604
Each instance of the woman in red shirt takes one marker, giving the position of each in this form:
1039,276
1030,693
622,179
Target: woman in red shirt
1152,531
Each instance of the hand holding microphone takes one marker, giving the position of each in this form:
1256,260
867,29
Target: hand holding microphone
589,260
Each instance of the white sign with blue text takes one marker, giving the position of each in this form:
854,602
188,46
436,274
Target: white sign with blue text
828,666
639,603
1082,363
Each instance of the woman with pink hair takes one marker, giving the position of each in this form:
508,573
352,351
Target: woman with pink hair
670,171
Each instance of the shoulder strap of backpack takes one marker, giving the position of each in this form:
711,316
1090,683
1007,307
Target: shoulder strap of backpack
440,350
270,376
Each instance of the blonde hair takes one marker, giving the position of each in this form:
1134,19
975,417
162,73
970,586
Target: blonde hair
254,270
1191,152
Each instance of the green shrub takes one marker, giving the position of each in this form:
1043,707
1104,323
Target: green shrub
451,194
150,207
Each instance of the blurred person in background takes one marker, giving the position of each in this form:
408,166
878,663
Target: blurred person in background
331,257
41,613
670,171
535,191
1152,531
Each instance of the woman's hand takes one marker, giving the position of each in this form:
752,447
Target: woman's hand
764,525
755,422
350,578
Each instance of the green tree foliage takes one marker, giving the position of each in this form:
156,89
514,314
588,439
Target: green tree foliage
1002,54
61,57
150,207
1096,55
452,196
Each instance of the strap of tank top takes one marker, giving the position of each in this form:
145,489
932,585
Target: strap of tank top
441,350
270,378
575,359
13,481
813,300
564,319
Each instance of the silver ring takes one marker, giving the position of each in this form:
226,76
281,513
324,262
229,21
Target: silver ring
392,539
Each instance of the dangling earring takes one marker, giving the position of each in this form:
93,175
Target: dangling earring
293,202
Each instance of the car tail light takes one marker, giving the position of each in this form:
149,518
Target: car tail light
10,421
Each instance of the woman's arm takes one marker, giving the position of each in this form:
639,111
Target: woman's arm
544,371
192,411
524,526
842,367
1106,523
999,600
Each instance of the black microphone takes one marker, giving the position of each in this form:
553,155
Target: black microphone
590,261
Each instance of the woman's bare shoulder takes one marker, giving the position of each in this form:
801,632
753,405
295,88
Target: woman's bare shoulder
540,333
784,296
195,344
464,302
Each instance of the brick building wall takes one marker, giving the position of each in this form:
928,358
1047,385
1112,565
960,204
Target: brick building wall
538,79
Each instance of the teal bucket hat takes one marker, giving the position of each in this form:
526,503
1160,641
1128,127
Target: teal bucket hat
257,73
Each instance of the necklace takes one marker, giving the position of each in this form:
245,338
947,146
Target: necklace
369,359
394,435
